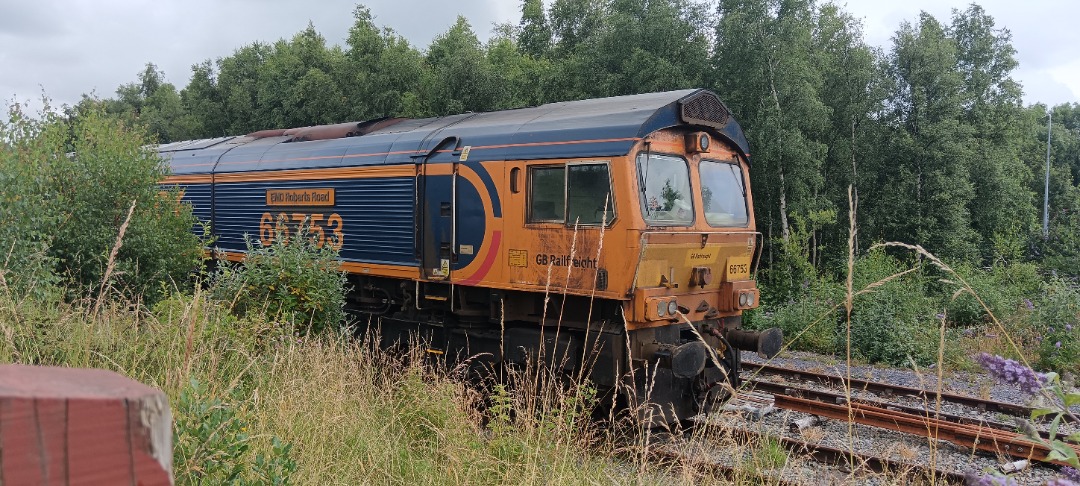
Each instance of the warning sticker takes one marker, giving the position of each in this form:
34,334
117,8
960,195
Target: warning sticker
519,258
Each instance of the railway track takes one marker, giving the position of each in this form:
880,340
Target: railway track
838,398
854,462
889,389
967,432
845,461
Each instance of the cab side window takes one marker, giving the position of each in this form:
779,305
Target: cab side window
547,192
588,194
576,193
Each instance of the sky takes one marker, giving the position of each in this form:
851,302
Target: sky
65,48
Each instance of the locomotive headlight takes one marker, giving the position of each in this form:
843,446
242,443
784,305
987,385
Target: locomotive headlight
661,308
743,300
749,300
672,307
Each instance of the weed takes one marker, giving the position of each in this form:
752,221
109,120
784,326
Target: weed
293,280
770,454
212,442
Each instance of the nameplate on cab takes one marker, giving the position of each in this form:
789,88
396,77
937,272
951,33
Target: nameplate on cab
300,197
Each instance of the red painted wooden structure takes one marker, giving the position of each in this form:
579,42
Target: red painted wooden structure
82,426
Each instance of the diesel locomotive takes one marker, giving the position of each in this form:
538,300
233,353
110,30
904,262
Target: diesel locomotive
612,235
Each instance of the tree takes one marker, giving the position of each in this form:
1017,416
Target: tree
154,104
574,21
852,89
764,68
381,70
460,78
296,83
238,85
204,102
925,189
534,35
1003,208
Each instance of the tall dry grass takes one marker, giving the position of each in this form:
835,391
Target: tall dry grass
353,413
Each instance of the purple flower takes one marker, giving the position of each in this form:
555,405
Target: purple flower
1057,345
1068,327
974,479
939,316
1071,474
1011,372
1028,304
1060,482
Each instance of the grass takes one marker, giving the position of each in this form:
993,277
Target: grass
329,409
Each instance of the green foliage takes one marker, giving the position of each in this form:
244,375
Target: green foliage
770,454
292,280
1004,288
68,186
1055,321
809,321
1061,248
26,221
381,70
892,321
794,269
110,169
212,442
151,103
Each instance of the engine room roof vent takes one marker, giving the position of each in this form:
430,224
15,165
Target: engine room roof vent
704,108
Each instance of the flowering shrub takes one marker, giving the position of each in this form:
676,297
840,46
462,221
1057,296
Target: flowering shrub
975,479
1012,372
1055,319
1055,401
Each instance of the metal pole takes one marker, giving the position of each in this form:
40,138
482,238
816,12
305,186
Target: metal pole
1046,189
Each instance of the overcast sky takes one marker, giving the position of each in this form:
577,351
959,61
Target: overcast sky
70,47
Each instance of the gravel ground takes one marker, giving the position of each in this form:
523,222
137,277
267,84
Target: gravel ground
895,445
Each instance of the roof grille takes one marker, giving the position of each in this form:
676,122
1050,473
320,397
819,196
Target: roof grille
704,108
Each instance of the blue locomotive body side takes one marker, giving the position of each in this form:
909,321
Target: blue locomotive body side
397,197
372,217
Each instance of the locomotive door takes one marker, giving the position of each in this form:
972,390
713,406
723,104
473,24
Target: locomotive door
438,218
